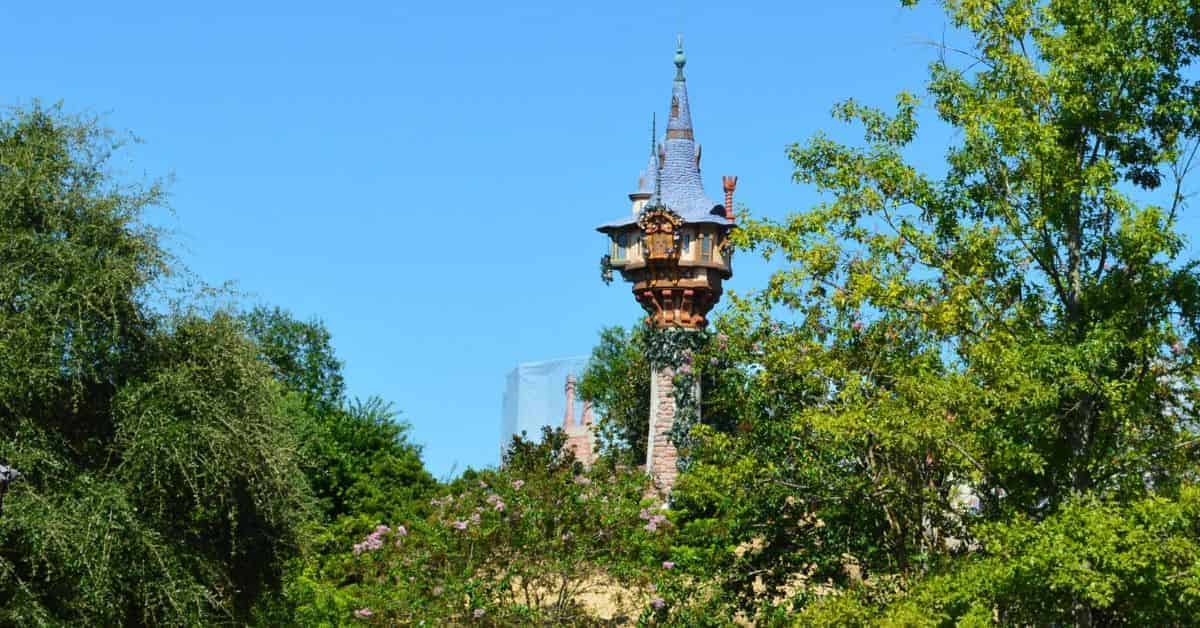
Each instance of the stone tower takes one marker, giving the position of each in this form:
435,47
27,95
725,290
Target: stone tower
674,250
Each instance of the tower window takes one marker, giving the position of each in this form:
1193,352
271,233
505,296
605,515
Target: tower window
706,247
686,244
620,245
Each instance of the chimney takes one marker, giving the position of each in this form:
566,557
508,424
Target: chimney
569,416
730,183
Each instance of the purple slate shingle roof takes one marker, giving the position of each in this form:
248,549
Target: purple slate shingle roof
679,173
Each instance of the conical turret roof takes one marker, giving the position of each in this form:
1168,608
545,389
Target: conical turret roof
675,167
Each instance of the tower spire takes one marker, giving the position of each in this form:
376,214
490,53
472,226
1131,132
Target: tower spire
657,198
679,123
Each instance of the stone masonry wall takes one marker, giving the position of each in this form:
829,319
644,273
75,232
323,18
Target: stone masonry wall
661,457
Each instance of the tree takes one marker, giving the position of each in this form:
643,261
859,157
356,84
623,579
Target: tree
301,354
617,382
159,484
356,455
1018,332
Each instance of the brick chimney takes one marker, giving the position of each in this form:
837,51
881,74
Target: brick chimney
730,184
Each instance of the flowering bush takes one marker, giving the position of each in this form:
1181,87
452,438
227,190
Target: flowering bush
525,543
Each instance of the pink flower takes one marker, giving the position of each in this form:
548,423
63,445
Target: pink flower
857,326
373,541
493,498
668,564
475,518
658,603
363,613
401,531
644,514
654,522
517,484
478,613
582,480
1178,348
500,506
459,525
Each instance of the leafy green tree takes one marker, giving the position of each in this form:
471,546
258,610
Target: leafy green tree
1005,346
617,383
356,455
301,354
159,481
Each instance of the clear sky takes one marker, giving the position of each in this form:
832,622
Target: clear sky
426,177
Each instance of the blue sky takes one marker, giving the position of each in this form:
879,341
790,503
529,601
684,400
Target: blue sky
425,177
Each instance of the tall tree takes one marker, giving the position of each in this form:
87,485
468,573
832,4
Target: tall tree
159,484
1020,330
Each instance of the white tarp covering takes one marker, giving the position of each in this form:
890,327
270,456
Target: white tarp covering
535,396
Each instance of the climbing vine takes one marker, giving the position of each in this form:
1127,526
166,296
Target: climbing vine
676,348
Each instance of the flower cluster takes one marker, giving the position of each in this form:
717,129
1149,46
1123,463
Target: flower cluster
374,540
652,522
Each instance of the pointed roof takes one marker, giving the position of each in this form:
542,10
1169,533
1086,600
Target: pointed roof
677,162
683,191
649,176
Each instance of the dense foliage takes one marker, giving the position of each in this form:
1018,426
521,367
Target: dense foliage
964,398
169,458
158,481
526,544
957,384
617,382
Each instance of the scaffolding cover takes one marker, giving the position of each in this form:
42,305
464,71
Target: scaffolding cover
535,396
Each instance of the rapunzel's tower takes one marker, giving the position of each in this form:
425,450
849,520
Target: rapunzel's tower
673,249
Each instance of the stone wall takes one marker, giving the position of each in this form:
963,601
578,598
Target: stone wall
661,457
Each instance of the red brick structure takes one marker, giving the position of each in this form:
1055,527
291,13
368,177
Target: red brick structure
580,437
